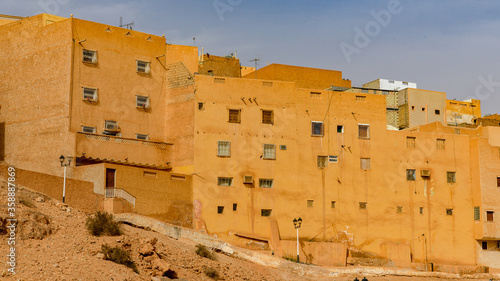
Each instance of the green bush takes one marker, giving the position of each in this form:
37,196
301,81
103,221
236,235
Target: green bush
118,255
103,224
212,273
203,251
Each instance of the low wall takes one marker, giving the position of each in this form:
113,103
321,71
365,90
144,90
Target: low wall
79,194
320,253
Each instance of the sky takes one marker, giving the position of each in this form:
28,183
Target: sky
451,46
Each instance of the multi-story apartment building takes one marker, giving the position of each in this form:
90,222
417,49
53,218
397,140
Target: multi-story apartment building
198,145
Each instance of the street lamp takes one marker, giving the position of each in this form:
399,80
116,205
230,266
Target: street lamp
296,224
61,159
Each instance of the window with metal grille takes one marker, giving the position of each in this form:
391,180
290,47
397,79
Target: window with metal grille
223,181
89,56
411,175
234,116
220,209
143,67
267,117
317,128
142,136
411,142
360,98
322,161
142,102
332,204
449,212
266,212
88,129
310,203
477,213
333,159
450,177
224,148
363,131
269,151
399,209
440,144
362,205
489,215
365,163
89,94
266,183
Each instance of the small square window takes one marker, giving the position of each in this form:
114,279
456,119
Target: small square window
223,181
411,175
88,129
282,147
310,203
322,162
266,212
363,131
411,142
201,106
484,245
477,213
332,204
423,108
364,163
399,209
340,129
267,117
450,177
421,210
220,209
142,102
317,128
437,112
224,148
143,67
89,94
234,116
266,183
412,107
362,205
489,215
449,212
269,151
440,144
89,56
333,159
235,207
142,136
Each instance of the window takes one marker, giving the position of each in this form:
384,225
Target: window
269,151
423,108
315,95
317,128
201,106
266,183
332,204
410,175
412,107
411,142
89,56
421,210
282,147
143,67
224,148
399,209
224,181
149,174
310,203
477,213
362,205
142,102
489,215
111,126
89,94
267,117
333,159
484,245
234,116
450,177
235,207
437,112
365,163
210,72
449,212
340,129
360,98
322,162
498,181
87,129
220,209
440,144
142,136
363,131
405,83
266,212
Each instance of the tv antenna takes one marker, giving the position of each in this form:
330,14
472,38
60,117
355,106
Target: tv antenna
256,61
127,25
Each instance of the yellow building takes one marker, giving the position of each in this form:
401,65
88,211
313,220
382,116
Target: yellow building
243,156
462,113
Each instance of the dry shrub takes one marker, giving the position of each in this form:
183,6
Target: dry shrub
103,223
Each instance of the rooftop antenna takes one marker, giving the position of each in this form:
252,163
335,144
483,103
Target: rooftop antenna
127,25
256,61
194,41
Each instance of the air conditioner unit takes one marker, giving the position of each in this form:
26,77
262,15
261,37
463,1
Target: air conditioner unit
425,173
111,127
248,179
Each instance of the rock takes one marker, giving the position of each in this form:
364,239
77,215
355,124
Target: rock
68,209
100,256
146,249
40,199
161,265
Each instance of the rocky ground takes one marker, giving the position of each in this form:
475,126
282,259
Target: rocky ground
52,243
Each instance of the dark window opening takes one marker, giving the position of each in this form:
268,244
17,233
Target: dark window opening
340,129
235,207
484,245
362,205
437,112
489,215
265,212
220,209
449,212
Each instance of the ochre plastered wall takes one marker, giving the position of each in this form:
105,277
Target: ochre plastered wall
219,66
462,112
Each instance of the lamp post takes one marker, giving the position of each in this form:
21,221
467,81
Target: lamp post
296,224
61,159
